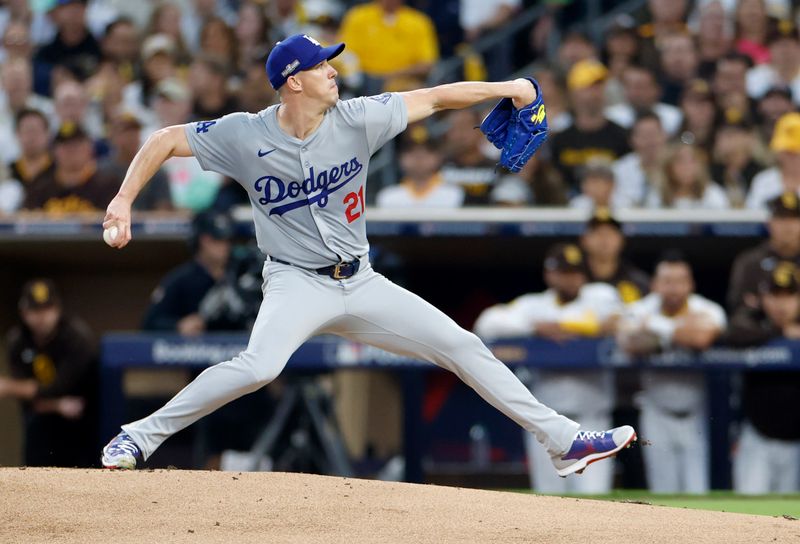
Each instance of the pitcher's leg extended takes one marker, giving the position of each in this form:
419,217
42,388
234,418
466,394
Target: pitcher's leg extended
387,316
284,322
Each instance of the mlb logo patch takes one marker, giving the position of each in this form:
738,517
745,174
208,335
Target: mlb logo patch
382,98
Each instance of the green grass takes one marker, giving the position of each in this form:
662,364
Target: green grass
720,501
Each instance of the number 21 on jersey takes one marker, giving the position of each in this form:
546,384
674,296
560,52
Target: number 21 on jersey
353,200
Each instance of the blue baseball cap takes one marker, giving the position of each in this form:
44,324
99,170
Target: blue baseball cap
296,53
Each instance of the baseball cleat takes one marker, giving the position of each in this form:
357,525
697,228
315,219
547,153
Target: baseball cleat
591,446
122,453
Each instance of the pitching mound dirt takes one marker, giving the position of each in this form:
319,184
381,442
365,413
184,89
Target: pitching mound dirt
93,506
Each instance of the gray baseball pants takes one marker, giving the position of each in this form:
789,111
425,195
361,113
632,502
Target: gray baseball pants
366,308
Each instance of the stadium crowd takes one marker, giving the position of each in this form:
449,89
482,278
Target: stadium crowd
680,105
684,105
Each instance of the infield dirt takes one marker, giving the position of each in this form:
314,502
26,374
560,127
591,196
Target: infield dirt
174,506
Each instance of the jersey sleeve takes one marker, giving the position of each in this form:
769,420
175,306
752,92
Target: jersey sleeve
217,144
383,116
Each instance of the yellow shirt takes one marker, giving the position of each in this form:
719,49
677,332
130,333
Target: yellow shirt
387,43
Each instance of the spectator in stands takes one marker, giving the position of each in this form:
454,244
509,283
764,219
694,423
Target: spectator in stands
74,46
569,308
408,45
422,185
783,67
699,114
620,51
125,135
575,47
33,135
553,87
783,245
642,94
714,37
679,65
673,403
166,19
751,30
208,78
255,93
194,19
172,102
119,65
733,161
72,105
591,134
252,34
17,96
730,88
191,187
52,357
159,62
176,304
218,40
635,173
598,188
767,458
74,185
666,18
602,242
466,162
775,103
12,192
16,41
481,17
684,182
785,176
537,184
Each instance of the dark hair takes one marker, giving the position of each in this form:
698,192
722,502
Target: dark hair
645,115
673,256
642,68
735,56
27,112
116,22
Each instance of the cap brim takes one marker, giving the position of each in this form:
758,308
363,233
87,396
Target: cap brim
326,53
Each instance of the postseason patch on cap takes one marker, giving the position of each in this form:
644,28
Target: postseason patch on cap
290,67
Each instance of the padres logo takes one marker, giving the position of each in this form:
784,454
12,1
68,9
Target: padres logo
44,370
538,115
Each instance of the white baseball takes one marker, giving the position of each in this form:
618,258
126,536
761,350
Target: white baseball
110,234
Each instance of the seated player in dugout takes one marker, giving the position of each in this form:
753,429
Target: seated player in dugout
673,403
309,215
603,242
52,357
569,308
783,245
177,303
767,456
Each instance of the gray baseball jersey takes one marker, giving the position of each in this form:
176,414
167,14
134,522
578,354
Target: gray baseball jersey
308,196
308,206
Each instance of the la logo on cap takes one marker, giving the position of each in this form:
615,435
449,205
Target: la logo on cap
312,40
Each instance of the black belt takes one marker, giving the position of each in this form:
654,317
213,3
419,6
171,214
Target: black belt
340,271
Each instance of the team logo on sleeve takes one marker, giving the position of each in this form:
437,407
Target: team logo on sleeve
203,126
320,184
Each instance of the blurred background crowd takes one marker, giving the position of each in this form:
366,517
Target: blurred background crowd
653,104
662,104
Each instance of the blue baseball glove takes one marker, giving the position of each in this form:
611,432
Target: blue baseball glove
517,132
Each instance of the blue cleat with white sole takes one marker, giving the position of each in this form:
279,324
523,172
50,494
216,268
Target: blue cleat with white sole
121,453
591,446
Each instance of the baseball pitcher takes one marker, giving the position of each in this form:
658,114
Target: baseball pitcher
304,165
